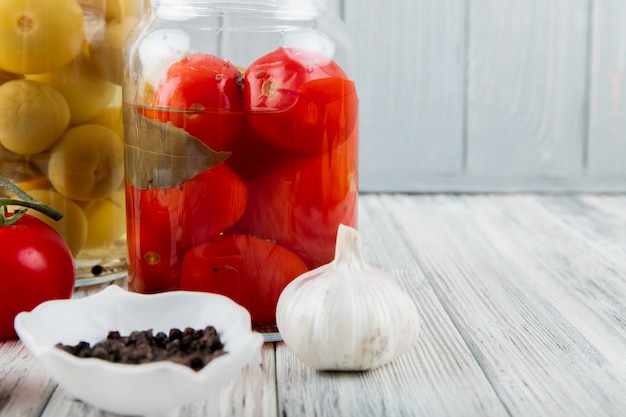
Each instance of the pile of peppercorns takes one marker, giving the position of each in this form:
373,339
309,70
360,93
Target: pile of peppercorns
190,347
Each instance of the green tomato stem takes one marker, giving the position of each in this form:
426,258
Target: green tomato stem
25,200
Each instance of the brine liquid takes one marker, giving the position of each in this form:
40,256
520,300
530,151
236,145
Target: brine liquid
181,194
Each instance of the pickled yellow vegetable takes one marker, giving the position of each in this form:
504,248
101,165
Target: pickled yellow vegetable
32,116
87,163
112,118
24,173
106,220
86,92
134,8
109,9
105,48
39,35
73,225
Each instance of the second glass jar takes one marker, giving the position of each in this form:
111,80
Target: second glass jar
241,146
61,121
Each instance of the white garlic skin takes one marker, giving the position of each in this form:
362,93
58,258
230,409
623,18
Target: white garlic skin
346,315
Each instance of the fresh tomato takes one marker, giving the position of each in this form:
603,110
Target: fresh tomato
300,100
163,223
251,271
37,266
300,203
203,95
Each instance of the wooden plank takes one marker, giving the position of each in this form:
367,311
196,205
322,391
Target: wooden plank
527,78
607,123
410,78
26,389
600,219
584,267
252,394
438,377
489,183
534,299
24,386
609,208
597,235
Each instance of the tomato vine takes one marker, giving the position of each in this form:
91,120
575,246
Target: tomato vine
25,201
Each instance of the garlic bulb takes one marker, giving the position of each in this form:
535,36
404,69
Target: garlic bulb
346,315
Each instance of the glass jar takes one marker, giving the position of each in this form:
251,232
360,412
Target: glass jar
61,128
241,132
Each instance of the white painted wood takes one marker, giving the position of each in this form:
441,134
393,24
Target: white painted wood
410,69
523,305
485,183
438,377
24,385
526,88
491,95
538,303
587,262
252,394
607,108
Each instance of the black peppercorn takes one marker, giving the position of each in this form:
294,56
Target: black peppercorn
191,347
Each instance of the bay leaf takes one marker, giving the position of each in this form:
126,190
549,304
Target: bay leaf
159,154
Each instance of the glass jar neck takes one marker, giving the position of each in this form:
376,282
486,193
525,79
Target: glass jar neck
296,8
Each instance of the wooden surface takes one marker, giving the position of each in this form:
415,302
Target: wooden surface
491,95
522,299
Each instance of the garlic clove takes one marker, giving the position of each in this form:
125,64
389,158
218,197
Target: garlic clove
347,315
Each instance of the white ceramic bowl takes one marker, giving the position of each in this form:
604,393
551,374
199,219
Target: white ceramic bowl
152,389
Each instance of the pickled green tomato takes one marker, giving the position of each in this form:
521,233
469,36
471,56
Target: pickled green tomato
32,116
72,227
112,118
105,48
86,92
133,8
106,220
39,35
112,9
87,163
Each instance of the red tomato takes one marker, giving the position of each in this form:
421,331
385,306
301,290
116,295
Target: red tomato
37,266
252,156
204,94
300,100
301,202
251,271
164,223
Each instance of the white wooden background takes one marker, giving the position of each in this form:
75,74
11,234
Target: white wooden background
491,95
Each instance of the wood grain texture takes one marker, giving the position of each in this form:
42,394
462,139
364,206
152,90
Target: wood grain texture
24,385
251,394
438,377
607,107
527,82
489,182
531,297
490,95
522,299
410,80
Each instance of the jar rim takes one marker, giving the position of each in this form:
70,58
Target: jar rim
252,3
290,9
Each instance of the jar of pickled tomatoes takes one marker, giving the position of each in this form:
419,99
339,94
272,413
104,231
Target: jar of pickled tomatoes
241,134
61,128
